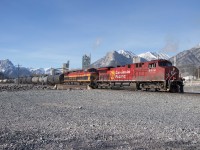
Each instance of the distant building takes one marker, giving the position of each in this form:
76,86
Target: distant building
86,61
65,67
174,60
52,71
137,59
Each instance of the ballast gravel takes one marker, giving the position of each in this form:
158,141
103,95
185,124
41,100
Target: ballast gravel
99,119
23,87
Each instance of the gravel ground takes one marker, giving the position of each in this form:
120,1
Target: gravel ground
99,119
192,89
23,87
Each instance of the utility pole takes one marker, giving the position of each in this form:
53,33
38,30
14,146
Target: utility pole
175,61
18,74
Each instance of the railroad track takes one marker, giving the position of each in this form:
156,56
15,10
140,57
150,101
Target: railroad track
81,87
13,87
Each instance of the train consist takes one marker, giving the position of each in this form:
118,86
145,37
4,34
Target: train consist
158,75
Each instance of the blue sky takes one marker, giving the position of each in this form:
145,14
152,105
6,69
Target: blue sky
47,33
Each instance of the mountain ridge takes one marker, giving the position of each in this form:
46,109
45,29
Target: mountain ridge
187,61
123,57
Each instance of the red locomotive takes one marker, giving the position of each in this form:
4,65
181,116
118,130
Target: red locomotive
158,75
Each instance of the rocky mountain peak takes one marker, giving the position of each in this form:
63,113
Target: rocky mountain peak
126,53
153,55
9,70
6,64
112,58
123,57
197,46
188,61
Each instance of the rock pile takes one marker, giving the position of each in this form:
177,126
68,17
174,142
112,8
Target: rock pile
14,87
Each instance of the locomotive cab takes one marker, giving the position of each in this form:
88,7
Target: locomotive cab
173,82
162,75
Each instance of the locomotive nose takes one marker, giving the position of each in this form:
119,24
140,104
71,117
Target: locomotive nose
171,73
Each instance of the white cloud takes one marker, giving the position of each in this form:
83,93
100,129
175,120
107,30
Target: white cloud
97,43
171,45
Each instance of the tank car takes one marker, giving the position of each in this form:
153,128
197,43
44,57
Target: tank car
28,80
35,80
58,79
55,79
43,79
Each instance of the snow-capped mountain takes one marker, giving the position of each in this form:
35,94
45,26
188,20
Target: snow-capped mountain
197,46
127,54
37,71
9,70
188,61
6,65
153,55
123,57
6,68
41,71
112,59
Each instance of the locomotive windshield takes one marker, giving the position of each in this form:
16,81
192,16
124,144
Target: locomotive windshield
92,70
165,64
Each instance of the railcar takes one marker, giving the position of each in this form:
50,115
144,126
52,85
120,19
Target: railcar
157,75
81,76
55,79
44,80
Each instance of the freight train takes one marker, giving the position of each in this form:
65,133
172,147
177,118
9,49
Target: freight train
158,75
